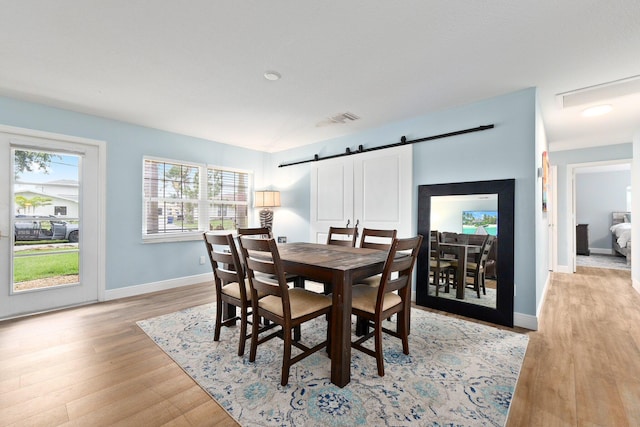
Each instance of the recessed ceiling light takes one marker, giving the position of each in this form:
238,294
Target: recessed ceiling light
597,110
272,75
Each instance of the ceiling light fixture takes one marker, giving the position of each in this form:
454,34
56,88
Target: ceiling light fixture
597,110
272,75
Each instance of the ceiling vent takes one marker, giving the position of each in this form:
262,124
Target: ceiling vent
599,93
338,119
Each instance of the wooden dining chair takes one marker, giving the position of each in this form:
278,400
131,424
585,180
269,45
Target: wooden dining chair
392,296
376,239
438,266
477,270
476,267
231,285
284,306
342,236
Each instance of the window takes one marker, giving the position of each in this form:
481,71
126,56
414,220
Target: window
228,195
184,199
60,210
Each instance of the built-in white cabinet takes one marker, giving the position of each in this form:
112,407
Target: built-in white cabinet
372,189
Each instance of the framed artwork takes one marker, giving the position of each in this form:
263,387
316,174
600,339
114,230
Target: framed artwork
545,180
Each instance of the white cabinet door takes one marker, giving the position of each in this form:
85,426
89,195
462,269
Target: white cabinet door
373,189
331,196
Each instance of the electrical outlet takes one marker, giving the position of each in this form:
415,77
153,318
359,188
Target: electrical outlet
202,260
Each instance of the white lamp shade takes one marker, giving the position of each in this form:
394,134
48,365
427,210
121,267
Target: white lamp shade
267,199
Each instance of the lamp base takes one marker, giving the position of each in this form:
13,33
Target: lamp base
266,218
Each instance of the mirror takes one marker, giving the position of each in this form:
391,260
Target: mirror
470,221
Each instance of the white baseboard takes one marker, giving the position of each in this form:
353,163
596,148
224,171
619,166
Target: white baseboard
602,251
636,285
564,269
145,288
526,321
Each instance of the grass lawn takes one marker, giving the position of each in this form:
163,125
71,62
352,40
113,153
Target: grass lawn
43,265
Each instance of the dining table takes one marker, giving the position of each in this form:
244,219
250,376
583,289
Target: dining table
460,251
342,266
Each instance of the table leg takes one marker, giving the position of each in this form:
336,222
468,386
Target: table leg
228,311
341,330
461,276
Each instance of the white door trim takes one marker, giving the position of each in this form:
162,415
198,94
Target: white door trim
571,204
101,175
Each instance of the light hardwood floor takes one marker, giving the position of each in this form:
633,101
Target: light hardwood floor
92,366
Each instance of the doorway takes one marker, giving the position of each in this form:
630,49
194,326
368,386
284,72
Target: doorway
51,221
593,209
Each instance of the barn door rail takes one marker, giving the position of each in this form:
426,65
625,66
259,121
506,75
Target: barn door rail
403,141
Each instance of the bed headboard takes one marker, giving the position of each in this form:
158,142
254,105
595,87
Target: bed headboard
618,217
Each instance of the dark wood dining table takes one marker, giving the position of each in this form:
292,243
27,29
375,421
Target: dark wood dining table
460,251
342,266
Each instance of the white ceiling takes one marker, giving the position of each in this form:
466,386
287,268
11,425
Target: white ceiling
196,67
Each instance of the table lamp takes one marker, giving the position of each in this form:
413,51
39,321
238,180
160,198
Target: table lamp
266,200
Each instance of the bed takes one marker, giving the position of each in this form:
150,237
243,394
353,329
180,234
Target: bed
621,232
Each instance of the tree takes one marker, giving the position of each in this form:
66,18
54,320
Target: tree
25,161
32,203
186,184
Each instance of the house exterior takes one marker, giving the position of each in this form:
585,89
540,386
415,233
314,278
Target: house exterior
61,198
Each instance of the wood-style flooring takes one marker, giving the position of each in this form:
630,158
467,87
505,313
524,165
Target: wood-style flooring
92,366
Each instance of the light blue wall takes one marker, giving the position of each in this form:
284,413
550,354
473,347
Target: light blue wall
570,157
507,151
597,195
128,260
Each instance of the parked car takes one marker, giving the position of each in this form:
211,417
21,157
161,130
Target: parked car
42,228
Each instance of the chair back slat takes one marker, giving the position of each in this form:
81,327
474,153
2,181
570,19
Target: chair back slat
256,232
400,262
264,268
342,236
225,260
377,239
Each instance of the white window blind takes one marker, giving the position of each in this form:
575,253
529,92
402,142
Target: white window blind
184,199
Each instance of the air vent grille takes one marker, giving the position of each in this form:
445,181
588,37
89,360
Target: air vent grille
341,118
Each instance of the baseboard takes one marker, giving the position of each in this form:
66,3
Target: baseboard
526,321
602,251
564,269
636,285
145,288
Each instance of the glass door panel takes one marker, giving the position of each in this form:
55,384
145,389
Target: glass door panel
46,223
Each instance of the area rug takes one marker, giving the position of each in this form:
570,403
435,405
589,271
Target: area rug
458,373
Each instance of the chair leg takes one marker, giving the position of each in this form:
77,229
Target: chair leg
243,330
378,347
216,334
286,357
254,335
403,331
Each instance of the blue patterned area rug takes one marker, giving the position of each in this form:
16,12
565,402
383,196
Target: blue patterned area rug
458,373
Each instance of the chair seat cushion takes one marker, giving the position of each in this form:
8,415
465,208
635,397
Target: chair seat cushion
364,297
443,264
233,290
302,302
371,281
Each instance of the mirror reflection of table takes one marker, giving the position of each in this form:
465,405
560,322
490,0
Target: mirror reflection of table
461,251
